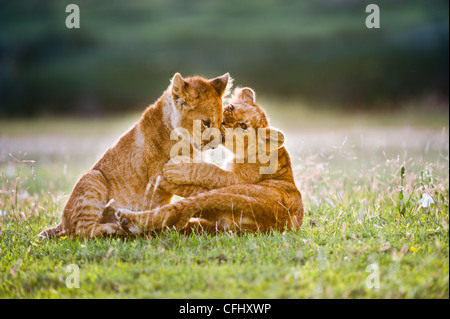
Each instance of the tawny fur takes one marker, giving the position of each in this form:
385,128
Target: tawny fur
126,176
239,198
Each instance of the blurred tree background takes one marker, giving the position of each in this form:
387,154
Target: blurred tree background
125,52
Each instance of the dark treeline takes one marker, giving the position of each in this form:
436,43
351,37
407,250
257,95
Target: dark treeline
125,52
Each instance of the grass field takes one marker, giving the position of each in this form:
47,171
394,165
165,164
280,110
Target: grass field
363,220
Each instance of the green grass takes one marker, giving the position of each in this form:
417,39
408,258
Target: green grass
354,202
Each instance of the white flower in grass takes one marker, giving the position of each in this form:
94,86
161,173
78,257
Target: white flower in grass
426,200
4,213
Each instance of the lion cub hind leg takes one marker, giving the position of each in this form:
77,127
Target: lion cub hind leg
221,222
228,210
84,210
199,225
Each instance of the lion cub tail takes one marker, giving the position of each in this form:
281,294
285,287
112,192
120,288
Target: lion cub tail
56,231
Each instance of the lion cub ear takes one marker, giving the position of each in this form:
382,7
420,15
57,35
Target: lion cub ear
220,83
246,95
178,85
273,138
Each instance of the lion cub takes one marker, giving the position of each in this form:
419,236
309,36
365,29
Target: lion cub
240,198
126,175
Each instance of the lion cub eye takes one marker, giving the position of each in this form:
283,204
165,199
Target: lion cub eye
243,126
206,123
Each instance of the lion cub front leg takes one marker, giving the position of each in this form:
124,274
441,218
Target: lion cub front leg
181,190
206,175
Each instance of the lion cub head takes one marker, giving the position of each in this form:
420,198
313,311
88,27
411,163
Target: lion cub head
246,128
198,105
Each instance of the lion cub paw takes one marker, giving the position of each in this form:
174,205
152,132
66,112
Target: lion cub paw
126,223
177,173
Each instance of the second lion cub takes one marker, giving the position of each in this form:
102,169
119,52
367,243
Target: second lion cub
239,198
